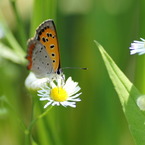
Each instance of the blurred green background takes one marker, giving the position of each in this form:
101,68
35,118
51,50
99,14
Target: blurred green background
98,118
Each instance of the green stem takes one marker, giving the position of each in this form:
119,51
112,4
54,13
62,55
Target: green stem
39,117
27,137
28,131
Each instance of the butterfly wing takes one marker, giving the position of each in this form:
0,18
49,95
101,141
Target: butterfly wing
43,51
39,61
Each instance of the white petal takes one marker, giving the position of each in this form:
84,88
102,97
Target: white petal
49,103
59,82
74,91
63,104
55,103
46,91
75,96
137,47
75,100
71,104
43,99
52,84
70,83
142,39
71,87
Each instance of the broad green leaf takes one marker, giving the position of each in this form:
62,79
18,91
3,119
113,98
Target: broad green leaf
128,94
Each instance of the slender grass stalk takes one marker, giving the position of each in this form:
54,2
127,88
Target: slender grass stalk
20,26
9,54
39,117
42,11
11,39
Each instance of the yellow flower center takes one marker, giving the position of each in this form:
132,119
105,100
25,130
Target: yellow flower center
59,94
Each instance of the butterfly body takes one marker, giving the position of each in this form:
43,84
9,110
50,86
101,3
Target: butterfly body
43,51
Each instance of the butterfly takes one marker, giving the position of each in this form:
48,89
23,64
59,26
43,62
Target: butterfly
43,51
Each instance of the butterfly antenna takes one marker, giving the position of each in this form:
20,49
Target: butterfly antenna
83,68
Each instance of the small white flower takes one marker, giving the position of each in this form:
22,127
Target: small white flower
33,83
137,47
141,102
60,92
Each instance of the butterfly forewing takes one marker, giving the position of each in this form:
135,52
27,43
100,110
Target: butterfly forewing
46,34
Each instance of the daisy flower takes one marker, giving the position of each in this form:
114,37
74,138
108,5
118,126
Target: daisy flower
60,92
137,47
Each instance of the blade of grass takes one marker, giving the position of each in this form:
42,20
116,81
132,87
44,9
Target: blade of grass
128,94
20,26
7,53
42,11
10,38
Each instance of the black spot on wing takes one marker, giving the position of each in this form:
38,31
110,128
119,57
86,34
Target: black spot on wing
52,46
53,54
43,39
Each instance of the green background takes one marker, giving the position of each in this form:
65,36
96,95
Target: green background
98,119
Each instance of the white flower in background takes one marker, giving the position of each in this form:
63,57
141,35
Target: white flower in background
137,47
141,102
60,92
33,83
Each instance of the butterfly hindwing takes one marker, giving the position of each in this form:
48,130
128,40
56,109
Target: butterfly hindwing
41,63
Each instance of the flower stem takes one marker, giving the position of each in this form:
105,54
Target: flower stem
28,131
39,117
27,137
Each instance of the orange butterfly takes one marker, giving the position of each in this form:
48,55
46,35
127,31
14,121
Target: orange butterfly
43,51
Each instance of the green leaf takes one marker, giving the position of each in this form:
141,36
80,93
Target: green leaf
128,94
